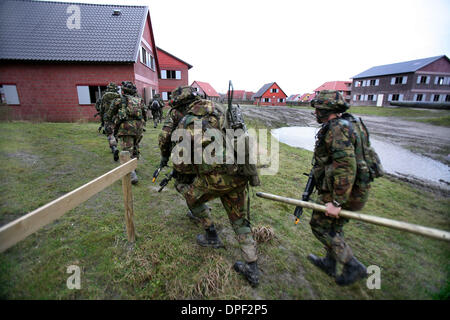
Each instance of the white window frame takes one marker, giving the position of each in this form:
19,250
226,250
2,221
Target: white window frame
177,74
84,96
163,74
11,95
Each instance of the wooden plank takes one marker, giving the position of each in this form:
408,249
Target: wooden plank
19,229
394,224
128,199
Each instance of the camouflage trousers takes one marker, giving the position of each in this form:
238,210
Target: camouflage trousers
109,130
232,192
330,231
130,144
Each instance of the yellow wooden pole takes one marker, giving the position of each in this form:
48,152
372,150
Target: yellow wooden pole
394,224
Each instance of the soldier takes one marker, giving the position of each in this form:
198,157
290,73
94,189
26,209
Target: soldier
156,105
335,171
199,183
105,102
129,114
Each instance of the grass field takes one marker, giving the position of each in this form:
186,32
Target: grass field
42,161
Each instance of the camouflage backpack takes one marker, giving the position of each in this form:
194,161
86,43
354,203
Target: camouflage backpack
130,108
213,115
367,160
107,98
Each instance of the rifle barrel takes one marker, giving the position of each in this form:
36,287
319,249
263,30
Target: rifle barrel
394,224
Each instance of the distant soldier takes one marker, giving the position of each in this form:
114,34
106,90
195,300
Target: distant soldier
200,183
129,114
156,105
103,108
335,175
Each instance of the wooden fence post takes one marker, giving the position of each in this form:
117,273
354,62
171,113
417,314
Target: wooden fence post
128,198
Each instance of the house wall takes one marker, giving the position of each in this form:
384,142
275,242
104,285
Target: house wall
48,91
166,62
146,79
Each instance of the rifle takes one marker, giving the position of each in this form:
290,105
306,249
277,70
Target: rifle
156,174
306,195
166,180
234,113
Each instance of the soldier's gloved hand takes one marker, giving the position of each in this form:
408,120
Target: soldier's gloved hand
163,162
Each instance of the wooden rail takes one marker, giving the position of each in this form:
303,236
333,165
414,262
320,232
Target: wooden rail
22,227
394,224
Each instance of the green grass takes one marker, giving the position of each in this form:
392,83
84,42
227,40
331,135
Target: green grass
441,121
43,161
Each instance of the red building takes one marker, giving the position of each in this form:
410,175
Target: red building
56,63
174,73
344,87
270,94
205,90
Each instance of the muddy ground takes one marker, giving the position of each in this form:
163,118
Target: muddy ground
425,139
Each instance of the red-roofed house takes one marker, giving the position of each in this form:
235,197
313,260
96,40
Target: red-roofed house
270,94
174,73
344,87
205,90
307,97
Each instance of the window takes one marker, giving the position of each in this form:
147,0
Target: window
273,90
419,97
281,100
436,98
266,99
447,98
370,97
440,81
8,94
399,80
90,94
147,59
143,55
171,74
395,97
422,80
358,97
373,82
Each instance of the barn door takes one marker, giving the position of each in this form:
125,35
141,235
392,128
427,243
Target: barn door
380,100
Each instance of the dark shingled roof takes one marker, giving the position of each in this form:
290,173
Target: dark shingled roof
263,89
395,68
36,30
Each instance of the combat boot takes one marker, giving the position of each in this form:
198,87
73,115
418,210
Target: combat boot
327,264
134,177
352,272
210,238
115,152
249,270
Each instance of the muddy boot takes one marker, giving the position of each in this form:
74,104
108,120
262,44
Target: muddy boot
327,264
352,272
210,238
115,152
249,271
134,177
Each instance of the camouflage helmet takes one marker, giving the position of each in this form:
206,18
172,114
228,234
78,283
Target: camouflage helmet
112,87
128,87
182,95
330,100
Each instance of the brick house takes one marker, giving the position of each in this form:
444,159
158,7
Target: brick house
54,67
205,90
174,73
417,82
270,94
344,87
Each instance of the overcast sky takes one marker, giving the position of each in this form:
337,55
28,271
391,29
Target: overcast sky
298,44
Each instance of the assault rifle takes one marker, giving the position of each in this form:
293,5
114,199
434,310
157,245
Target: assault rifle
165,181
306,195
234,113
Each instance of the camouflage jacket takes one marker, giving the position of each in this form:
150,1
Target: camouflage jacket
334,160
105,103
127,125
160,102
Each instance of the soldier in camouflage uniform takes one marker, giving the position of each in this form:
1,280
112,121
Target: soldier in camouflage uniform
335,171
156,105
105,102
200,183
129,114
